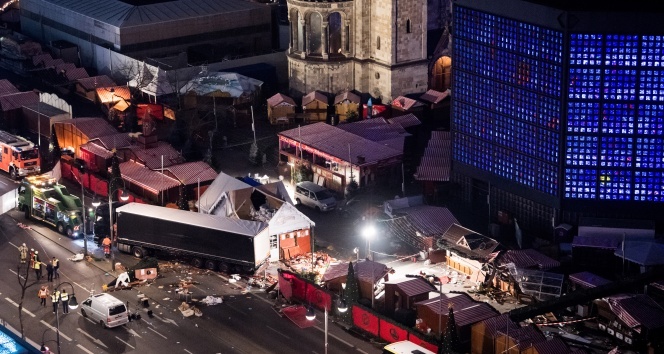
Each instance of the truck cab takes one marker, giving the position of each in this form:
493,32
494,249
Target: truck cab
18,156
42,198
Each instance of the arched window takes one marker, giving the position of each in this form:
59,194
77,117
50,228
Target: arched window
334,38
299,45
315,27
408,26
378,42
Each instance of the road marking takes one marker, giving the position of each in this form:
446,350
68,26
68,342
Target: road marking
15,304
132,332
118,338
81,286
55,330
97,341
20,276
165,320
163,336
188,351
283,335
83,349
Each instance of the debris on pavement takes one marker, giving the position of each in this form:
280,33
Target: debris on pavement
212,300
77,257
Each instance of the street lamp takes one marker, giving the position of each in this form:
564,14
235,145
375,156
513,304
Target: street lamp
356,250
311,315
369,231
124,197
81,169
292,166
73,304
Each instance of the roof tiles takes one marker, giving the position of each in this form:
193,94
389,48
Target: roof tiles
17,100
92,83
192,172
146,178
152,157
280,99
414,286
314,96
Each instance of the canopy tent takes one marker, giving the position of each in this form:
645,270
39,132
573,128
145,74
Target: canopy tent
222,84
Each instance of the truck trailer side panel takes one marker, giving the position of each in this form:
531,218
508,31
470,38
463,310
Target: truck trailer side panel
189,239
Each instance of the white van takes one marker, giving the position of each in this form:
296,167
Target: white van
106,310
314,196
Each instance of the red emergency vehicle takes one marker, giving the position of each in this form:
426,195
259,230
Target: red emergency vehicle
18,156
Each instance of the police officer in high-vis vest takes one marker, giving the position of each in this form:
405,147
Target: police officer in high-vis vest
55,298
65,301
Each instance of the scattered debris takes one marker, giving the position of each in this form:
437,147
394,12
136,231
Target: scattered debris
212,300
77,257
185,310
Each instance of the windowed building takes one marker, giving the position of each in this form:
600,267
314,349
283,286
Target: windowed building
558,109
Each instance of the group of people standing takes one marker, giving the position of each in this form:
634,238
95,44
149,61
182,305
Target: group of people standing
52,267
57,297
35,263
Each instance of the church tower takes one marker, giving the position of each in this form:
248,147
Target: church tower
373,46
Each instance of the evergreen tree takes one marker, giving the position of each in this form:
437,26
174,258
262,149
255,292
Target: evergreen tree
115,178
54,151
351,294
303,173
450,341
183,202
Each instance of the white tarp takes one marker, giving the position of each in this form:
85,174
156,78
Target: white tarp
234,84
213,195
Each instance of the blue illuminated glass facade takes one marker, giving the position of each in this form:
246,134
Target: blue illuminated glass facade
507,87
615,85
512,88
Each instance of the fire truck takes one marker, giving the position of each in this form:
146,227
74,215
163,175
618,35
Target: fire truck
42,198
18,156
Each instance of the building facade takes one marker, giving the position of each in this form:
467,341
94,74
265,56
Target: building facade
558,112
379,48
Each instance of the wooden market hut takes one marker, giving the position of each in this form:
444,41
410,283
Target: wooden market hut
403,294
402,105
467,312
345,103
434,98
87,86
280,109
314,107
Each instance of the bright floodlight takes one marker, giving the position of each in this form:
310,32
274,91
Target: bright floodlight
342,306
73,304
369,231
311,315
124,196
96,202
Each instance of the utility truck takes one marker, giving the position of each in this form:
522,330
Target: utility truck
18,156
208,241
42,198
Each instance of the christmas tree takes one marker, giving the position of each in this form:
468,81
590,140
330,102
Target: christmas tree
450,341
115,179
351,294
183,203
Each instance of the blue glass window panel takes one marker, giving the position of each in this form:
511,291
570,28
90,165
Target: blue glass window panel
615,184
580,183
581,150
616,151
650,120
582,117
619,84
618,118
649,186
586,49
649,153
621,50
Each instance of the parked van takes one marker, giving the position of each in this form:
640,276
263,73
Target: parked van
106,310
314,196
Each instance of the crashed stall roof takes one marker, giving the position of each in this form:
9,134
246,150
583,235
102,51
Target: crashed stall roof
236,226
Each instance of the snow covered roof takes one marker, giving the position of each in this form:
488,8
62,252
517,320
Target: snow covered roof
236,226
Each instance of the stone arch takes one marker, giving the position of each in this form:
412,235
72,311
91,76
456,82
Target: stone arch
441,74
314,33
335,30
297,30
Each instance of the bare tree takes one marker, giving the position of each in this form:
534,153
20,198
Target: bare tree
23,277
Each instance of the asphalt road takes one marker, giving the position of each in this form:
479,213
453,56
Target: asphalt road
243,323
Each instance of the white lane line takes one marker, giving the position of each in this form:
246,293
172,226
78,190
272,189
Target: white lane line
118,338
132,332
81,286
15,304
163,336
188,351
11,270
277,332
95,340
55,330
83,349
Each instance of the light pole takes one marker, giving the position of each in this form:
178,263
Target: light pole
73,304
311,315
123,197
292,167
356,250
369,231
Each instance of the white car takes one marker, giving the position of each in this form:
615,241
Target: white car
314,196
